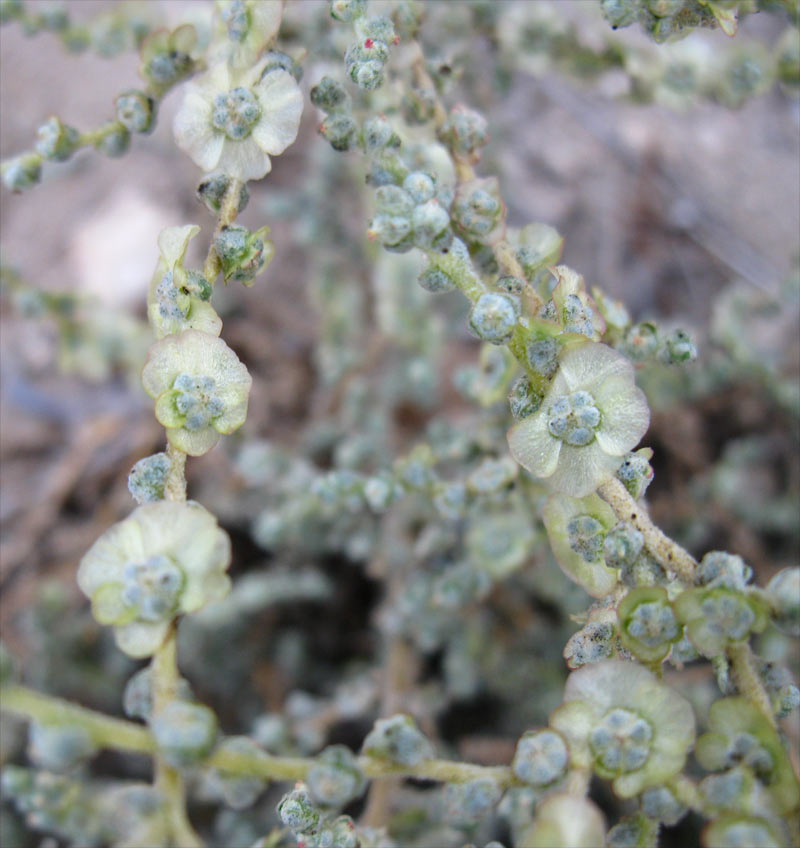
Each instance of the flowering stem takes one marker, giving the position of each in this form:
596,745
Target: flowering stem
670,555
228,210
118,734
105,731
169,781
748,680
175,486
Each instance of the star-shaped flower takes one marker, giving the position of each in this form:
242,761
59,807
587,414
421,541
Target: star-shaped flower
592,415
233,120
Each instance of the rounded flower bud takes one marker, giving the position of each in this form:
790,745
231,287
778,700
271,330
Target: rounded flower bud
734,830
212,190
184,732
428,221
493,317
114,140
541,757
377,133
420,186
660,803
783,591
436,281
147,478
56,141
718,568
348,10
297,811
330,96
523,399
398,740
636,473
466,130
22,172
340,131
136,111
335,779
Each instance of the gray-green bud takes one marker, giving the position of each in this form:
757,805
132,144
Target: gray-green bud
212,191
348,10
242,253
184,732
148,477
493,318
56,141
22,172
136,111
340,131
436,281
523,399
330,95
297,811
114,141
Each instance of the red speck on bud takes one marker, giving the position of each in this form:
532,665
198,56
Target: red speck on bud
396,39
369,43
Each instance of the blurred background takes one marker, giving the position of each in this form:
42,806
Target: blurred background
685,209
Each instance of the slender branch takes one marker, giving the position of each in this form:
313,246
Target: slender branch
169,781
669,554
175,486
118,734
105,731
748,680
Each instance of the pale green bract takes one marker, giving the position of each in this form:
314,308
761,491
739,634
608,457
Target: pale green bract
170,307
200,388
165,559
619,719
591,417
233,120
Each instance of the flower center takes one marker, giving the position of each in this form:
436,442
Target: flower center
621,741
653,624
727,614
586,537
235,113
196,400
574,419
172,303
153,587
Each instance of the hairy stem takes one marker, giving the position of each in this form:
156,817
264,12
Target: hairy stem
670,555
175,486
748,680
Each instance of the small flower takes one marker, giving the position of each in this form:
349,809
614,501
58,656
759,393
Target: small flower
177,299
247,26
541,757
335,779
630,727
591,417
741,736
398,740
166,558
233,120
647,624
577,530
200,388
719,614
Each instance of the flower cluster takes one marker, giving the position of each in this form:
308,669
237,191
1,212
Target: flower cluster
165,559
